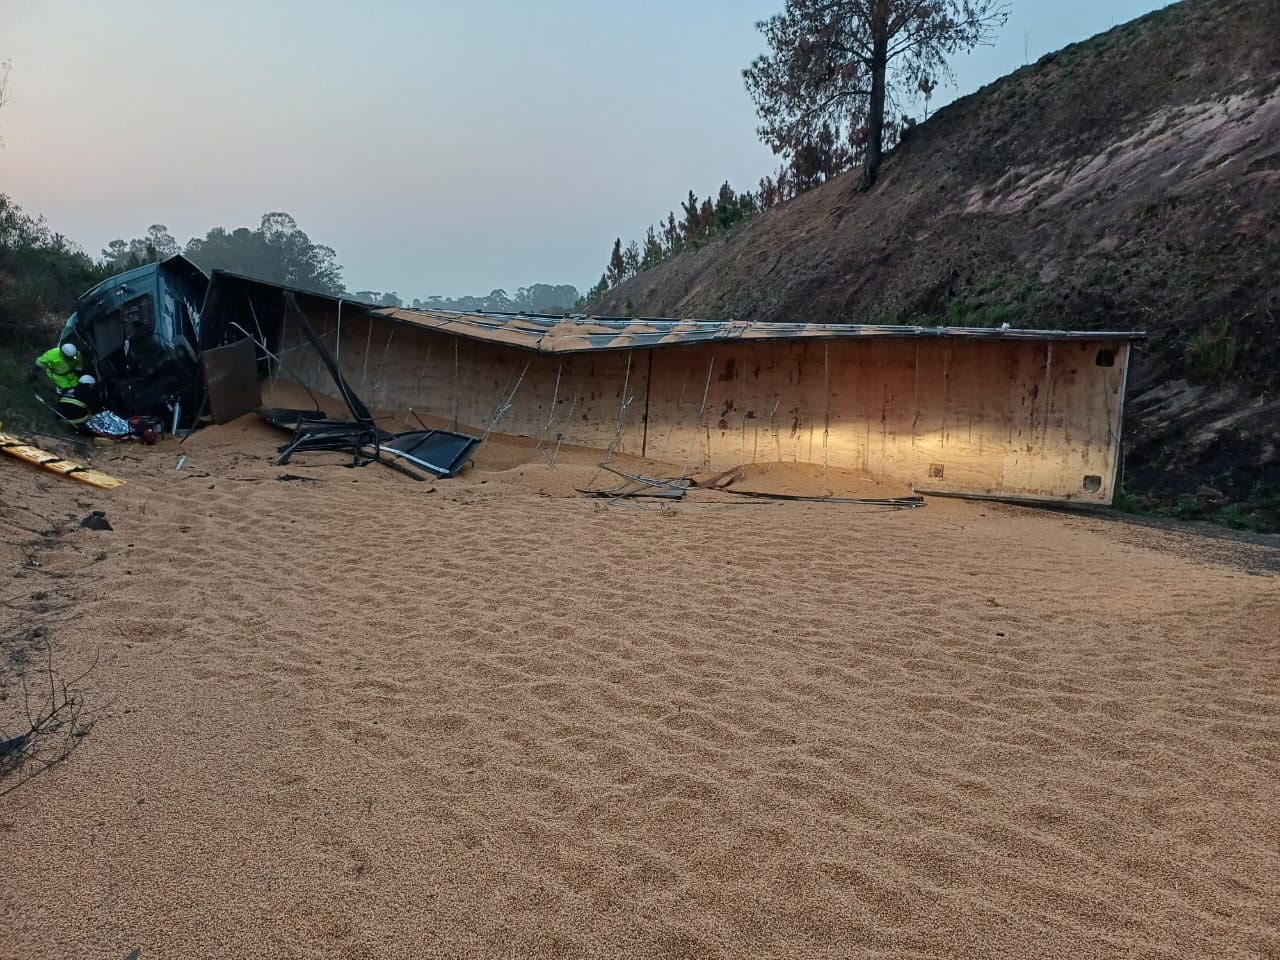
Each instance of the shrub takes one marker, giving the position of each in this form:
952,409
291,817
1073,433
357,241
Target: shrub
1211,354
41,274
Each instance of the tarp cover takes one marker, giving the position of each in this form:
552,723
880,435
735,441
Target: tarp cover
580,334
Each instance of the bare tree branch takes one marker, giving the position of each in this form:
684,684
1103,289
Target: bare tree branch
55,726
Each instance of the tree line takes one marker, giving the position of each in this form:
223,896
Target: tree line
279,252
831,93
705,219
547,298
42,272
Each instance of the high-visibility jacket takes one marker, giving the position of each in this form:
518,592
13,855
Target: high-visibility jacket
73,411
63,372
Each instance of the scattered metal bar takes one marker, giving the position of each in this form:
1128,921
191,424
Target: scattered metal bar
505,405
871,501
629,488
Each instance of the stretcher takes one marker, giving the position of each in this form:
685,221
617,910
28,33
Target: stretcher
56,464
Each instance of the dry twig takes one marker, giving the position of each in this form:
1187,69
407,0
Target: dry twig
55,722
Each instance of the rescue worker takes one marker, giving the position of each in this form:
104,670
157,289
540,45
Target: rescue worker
63,365
86,391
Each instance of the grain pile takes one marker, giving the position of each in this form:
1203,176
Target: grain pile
354,718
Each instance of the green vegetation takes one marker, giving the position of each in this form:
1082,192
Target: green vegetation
992,302
1187,507
1129,242
811,163
545,298
41,274
1211,353
703,221
1250,517
1126,502
1235,517
999,300
277,251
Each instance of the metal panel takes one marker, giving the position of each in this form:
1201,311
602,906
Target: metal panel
231,374
443,452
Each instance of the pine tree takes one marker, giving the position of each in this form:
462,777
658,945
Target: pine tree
631,259
691,228
671,238
653,254
616,272
843,62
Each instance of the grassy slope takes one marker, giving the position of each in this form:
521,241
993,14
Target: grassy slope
19,408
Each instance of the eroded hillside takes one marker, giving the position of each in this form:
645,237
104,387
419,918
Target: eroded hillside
1128,182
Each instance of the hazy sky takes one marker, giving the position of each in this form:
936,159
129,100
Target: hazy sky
439,146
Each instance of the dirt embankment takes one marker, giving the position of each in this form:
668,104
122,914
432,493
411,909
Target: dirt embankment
1128,182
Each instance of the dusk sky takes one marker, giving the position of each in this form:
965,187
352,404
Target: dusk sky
440,147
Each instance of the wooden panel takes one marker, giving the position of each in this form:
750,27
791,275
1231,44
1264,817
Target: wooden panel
962,392
1019,419
873,406
1029,416
842,403
1086,405
394,366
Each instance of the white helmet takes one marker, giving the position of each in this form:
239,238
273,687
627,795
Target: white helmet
87,380
69,350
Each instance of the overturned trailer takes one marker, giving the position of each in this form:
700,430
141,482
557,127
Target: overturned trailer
1009,414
